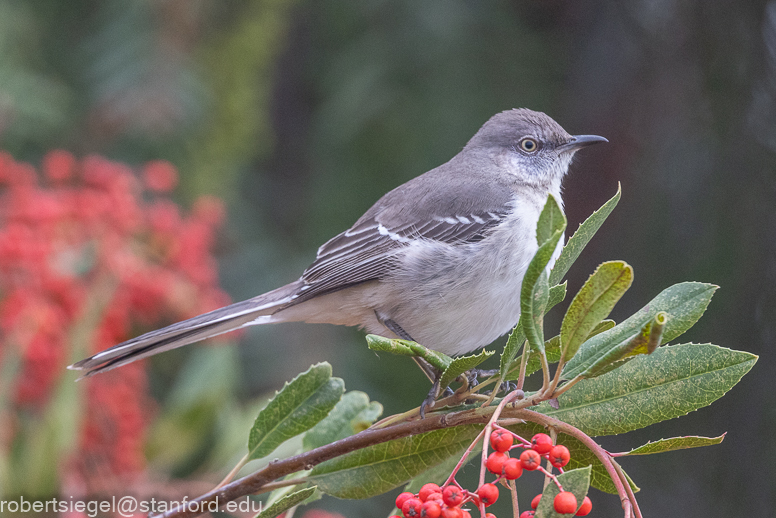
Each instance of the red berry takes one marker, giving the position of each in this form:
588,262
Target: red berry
565,503
513,469
495,462
435,496
411,508
403,498
527,514
559,456
501,440
430,509
542,443
530,460
465,514
535,501
490,515
452,496
488,494
452,512
585,508
427,489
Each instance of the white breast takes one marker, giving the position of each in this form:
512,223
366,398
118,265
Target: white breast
456,299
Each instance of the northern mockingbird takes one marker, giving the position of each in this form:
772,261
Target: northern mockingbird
438,260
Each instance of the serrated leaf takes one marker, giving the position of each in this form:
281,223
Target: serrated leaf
556,296
376,469
581,238
643,343
551,219
684,302
552,351
408,348
581,456
671,382
603,325
300,405
534,362
534,293
576,481
517,336
286,503
352,414
514,342
593,303
460,365
675,443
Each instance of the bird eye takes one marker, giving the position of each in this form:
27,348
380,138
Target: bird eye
529,145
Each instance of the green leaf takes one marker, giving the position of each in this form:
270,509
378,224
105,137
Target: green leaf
552,351
286,503
557,295
517,337
534,363
581,238
551,219
576,481
581,456
460,365
675,443
408,348
684,303
352,414
299,406
534,293
593,303
376,469
514,342
670,382
643,343
603,325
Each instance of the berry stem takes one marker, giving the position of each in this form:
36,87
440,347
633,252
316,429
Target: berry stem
626,497
513,493
451,478
523,363
526,443
628,489
549,476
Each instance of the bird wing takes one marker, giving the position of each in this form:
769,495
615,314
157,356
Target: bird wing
370,249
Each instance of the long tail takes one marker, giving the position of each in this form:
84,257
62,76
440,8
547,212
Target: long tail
192,330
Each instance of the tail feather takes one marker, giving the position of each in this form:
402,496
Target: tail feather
188,331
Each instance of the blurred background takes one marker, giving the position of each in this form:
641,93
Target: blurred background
300,114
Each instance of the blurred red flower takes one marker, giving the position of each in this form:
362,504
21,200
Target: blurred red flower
90,254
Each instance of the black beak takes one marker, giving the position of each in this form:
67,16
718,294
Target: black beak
580,141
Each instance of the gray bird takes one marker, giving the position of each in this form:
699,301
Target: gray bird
438,260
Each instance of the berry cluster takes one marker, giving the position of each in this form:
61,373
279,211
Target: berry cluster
434,502
93,246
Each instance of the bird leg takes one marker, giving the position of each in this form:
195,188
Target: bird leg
433,374
473,374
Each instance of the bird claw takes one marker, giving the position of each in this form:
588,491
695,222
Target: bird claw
430,400
473,374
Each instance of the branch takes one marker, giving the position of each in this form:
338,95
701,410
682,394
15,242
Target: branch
263,480
256,482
